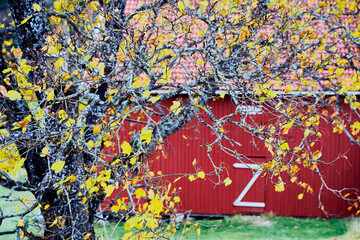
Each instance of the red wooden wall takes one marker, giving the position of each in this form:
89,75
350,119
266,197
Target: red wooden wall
205,197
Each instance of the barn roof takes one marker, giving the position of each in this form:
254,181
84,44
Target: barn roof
180,76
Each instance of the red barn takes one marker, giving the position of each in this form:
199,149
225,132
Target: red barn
251,190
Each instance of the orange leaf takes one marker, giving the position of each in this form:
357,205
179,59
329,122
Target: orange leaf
3,91
266,69
96,129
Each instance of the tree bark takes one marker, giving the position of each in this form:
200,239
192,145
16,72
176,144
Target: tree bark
30,33
69,215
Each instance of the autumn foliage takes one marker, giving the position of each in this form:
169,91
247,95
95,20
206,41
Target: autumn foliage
81,77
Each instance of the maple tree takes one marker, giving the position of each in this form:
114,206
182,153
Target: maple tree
78,72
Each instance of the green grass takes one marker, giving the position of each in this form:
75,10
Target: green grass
12,206
258,227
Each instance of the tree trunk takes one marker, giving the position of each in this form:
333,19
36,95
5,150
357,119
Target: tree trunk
67,212
30,33
70,214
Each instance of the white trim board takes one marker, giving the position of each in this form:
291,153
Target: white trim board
238,201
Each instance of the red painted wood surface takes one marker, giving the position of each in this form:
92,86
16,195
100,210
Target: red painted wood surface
205,197
337,175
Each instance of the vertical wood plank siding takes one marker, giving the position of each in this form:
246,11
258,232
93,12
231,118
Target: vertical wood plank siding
204,197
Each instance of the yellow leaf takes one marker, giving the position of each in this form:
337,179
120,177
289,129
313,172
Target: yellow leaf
59,63
62,115
50,94
108,143
57,166
93,5
194,162
109,190
201,175
44,151
175,108
284,146
6,70
280,186
154,99
46,206
57,5
271,94
287,126
181,7
198,231
36,7
355,127
322,4
140,193
90,144
293,179
25,20
227,181
203,6
87,57
146,94
191,178
26,68
300,196
126,148
146,135
339,72
82,107
131,223
165,78
306,132
201,107
288,89
13,95
20,222
222,94
93,64
17,52
94,189
70,122
199,62
177,179
55,49
156,206
8,43
316,155
56,221
87,236
127,235
101,68
96,129
133,160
